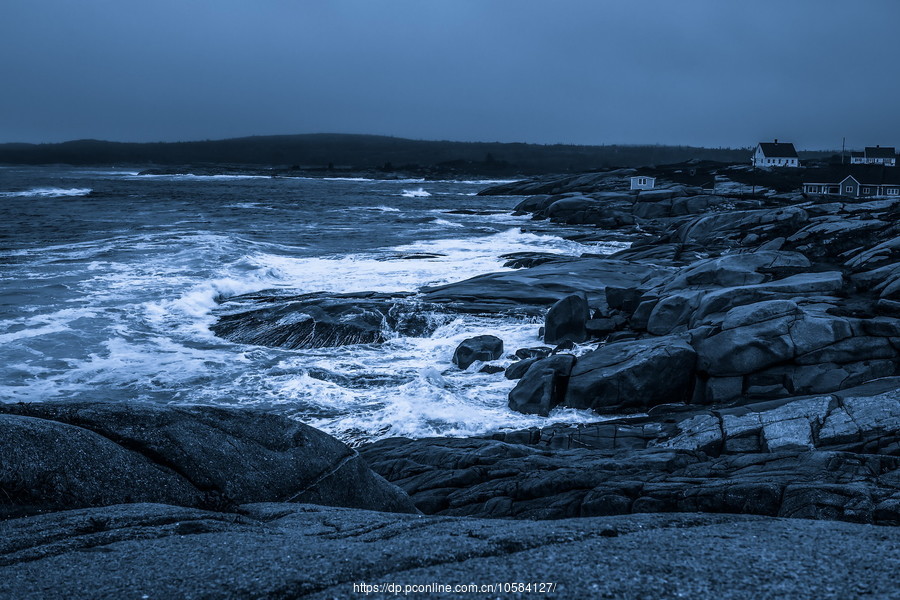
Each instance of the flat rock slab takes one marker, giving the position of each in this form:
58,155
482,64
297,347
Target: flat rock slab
532,289
295,551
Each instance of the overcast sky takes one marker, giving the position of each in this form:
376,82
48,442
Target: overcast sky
699,72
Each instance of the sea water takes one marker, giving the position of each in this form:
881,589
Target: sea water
109,282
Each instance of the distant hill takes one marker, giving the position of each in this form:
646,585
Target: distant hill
346,151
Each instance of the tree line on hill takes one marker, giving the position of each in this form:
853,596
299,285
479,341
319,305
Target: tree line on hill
346,151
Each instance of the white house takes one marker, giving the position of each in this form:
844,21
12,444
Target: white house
772,154
875,156
642,182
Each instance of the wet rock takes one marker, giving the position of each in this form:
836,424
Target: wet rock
633,375
520,260
543,385
482,347
537,352
566,319
518,369
319,321
61,455
491,369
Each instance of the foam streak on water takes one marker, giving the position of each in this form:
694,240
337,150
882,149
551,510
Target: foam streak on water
112,297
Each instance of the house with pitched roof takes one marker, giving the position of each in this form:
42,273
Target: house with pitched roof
769,155
856,181
876,155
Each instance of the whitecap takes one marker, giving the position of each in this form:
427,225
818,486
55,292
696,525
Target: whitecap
51,192
417,193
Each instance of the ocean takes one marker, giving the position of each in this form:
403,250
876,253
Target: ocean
110,281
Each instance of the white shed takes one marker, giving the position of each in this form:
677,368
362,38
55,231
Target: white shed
642,182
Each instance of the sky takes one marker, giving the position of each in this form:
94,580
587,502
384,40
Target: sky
717,73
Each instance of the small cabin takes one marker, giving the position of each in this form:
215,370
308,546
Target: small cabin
769,155
643,182
875,155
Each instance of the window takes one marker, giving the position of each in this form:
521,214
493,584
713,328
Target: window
848,189
892,191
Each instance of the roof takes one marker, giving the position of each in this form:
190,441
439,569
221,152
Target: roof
643,177
864,174
857,155
879,152
780,150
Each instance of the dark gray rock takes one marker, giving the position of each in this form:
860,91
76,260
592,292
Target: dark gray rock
291,551
518,368
605,326
530,290
466,477
67,455
318,321
633,375
536,352
565,321
542,386
481,347
757,338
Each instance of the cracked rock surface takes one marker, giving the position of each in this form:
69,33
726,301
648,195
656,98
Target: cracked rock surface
299,551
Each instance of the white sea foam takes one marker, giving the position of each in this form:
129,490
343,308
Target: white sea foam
379,208
140,307
446,223
416,193
47,192
191,176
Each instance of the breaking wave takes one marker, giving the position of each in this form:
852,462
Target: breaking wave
48,192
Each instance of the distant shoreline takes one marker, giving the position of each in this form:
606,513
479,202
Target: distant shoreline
350,155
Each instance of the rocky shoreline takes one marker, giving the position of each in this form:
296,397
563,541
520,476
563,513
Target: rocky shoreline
744,353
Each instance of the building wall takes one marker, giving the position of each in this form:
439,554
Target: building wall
643,183
849,188
762,161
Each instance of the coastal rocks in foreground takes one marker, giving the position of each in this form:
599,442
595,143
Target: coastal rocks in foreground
834,457
292,551
61,455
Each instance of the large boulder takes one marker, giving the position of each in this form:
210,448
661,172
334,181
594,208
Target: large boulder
543,385
633,375
761,335
481,347
68,455
565,321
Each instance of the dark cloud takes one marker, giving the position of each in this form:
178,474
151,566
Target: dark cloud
644,71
